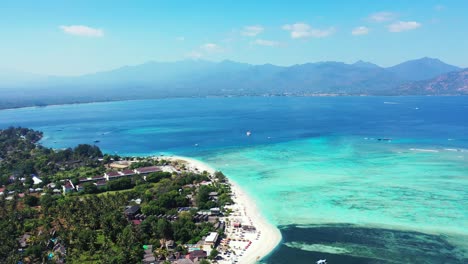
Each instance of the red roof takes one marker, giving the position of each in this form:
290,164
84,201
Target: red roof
127,172
148,169
196,254
136,222
113,173
87,179
2,189
68,185
98,177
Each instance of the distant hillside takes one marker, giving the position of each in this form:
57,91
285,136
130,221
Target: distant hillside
453,83
227,78
421,69
365,64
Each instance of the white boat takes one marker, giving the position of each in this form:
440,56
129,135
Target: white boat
248,133
322,261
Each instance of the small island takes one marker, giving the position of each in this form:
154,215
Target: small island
78,205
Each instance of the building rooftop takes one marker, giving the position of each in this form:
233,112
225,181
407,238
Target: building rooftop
68,184
127,172
36,180
205,183
211,238
196,254
215,210
132,210
184,261
148,169
113,173
87,179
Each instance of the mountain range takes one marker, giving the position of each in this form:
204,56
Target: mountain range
193,78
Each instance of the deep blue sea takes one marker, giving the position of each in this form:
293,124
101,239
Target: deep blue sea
314,165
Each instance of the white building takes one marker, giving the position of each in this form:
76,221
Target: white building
36,180
211,239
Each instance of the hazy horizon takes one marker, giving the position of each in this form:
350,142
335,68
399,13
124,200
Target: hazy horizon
63,39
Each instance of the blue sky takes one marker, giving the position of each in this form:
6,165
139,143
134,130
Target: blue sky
77,37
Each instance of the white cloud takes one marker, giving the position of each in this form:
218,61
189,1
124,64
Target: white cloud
303,30
204,50
79,30
360,31
382,16
401,26
252,31
264,42
211,48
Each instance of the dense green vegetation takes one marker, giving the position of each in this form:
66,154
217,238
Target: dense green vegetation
90,226
21,156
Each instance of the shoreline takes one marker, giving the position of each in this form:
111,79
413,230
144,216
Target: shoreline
269,235
222,96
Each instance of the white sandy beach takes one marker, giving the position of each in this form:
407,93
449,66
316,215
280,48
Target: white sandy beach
262,241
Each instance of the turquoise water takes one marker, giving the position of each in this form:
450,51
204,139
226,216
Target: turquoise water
315,166
352,180
364,183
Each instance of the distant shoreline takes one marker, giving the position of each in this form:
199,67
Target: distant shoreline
226,96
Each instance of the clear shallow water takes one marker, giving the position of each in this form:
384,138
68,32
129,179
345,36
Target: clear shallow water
309,161
351,180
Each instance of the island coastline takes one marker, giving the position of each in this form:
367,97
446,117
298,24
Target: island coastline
269,237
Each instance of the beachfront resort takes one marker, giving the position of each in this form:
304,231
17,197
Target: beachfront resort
150,209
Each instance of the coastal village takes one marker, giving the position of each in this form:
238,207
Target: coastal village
236,230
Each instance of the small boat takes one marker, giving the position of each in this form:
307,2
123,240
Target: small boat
322,261
384,139
248,133
96,141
